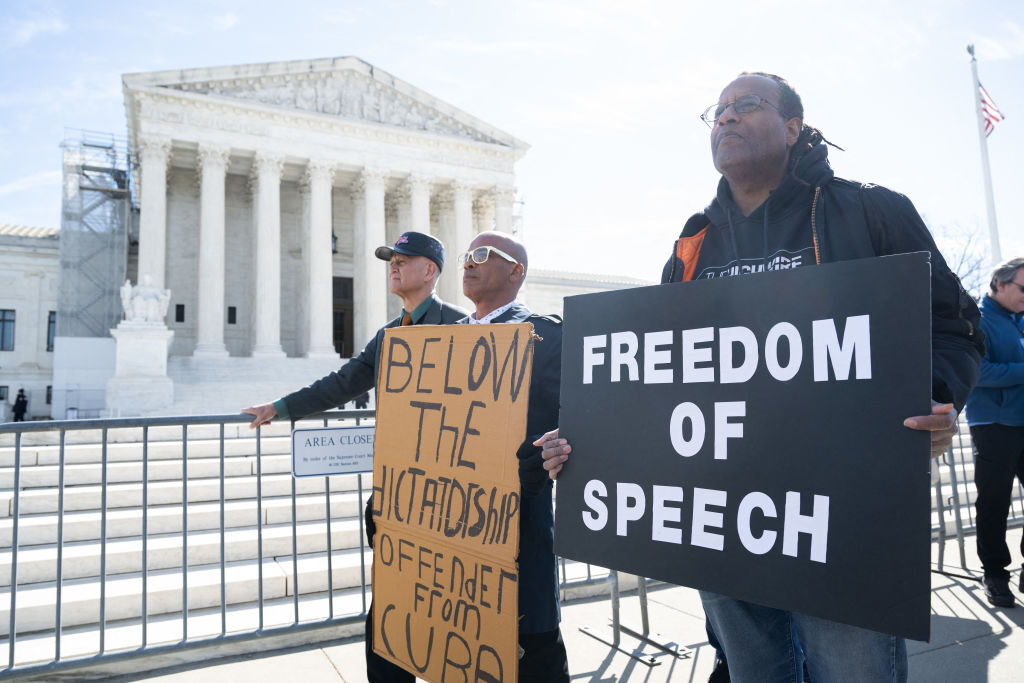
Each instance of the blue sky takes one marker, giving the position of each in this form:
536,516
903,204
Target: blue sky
607,94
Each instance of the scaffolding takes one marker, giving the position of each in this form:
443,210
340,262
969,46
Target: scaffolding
95,226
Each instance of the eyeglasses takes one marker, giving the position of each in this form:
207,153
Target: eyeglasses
481,254
1019,285
744,104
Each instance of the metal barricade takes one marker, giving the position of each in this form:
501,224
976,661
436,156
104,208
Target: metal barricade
92,506
74,522
123,506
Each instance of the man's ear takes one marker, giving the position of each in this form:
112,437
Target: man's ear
793,128
518,273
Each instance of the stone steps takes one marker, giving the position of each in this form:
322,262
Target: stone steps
210,386
80,598
156,433
38,564
127,634
129,494
41,529
88,453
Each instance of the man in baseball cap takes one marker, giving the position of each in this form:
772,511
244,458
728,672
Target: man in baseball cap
414,244
414,264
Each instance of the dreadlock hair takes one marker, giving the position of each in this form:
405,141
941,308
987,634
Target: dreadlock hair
791,106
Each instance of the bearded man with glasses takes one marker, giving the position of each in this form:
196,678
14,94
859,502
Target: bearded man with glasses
995,413
779,205
494,268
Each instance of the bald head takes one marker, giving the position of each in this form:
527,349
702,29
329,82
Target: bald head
507,243
497,280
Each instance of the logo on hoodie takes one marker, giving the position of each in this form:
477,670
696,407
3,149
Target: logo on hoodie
780,260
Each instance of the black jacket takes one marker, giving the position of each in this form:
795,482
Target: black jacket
538,573
360,373
814,217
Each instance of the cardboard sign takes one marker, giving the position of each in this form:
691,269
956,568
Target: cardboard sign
332,450
451,412
745,436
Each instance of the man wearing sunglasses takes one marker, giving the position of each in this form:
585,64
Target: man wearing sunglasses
414,264
779,205
995,413
494,268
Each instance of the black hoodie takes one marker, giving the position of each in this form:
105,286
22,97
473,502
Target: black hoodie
814,217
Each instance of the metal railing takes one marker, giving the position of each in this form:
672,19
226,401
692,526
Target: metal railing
27,447
55,628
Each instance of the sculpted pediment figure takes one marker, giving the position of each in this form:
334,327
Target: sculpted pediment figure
347,93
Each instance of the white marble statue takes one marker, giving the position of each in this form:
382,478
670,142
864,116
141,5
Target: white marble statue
144,303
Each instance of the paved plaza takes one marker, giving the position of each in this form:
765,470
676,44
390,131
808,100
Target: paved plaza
971,641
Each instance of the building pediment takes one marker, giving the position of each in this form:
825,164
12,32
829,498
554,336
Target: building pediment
345,87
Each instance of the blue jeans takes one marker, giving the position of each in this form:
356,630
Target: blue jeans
764,644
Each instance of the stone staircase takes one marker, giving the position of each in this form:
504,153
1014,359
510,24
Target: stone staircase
254,552
221,386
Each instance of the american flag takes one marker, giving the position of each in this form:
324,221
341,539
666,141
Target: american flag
989,110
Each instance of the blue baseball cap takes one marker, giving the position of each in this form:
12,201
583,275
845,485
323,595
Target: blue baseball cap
414,244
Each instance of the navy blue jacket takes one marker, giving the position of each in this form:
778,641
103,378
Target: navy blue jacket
538,573
999,395
814,217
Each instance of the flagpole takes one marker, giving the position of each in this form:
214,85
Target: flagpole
990,201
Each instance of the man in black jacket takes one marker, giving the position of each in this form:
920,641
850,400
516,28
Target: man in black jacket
780,206
494,268
415,262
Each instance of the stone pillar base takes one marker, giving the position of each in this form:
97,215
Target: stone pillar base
210,351
140,384
323,352
133,396
268,351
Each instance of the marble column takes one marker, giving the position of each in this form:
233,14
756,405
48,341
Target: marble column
369,281
449,285
463,196
503,198
213,162
413,197
154,154
483,213
419,203
267,299
319,267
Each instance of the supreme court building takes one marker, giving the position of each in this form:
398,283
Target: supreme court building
262,191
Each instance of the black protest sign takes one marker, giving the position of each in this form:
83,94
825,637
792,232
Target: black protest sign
451,412
745,436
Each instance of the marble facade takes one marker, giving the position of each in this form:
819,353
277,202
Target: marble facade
245,173
28,296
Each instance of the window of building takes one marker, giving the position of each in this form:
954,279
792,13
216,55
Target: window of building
3,393
49,394
51,330
232,315
179,313
6,330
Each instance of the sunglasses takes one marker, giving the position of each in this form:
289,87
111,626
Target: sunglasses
741,105
1019,285
481,254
